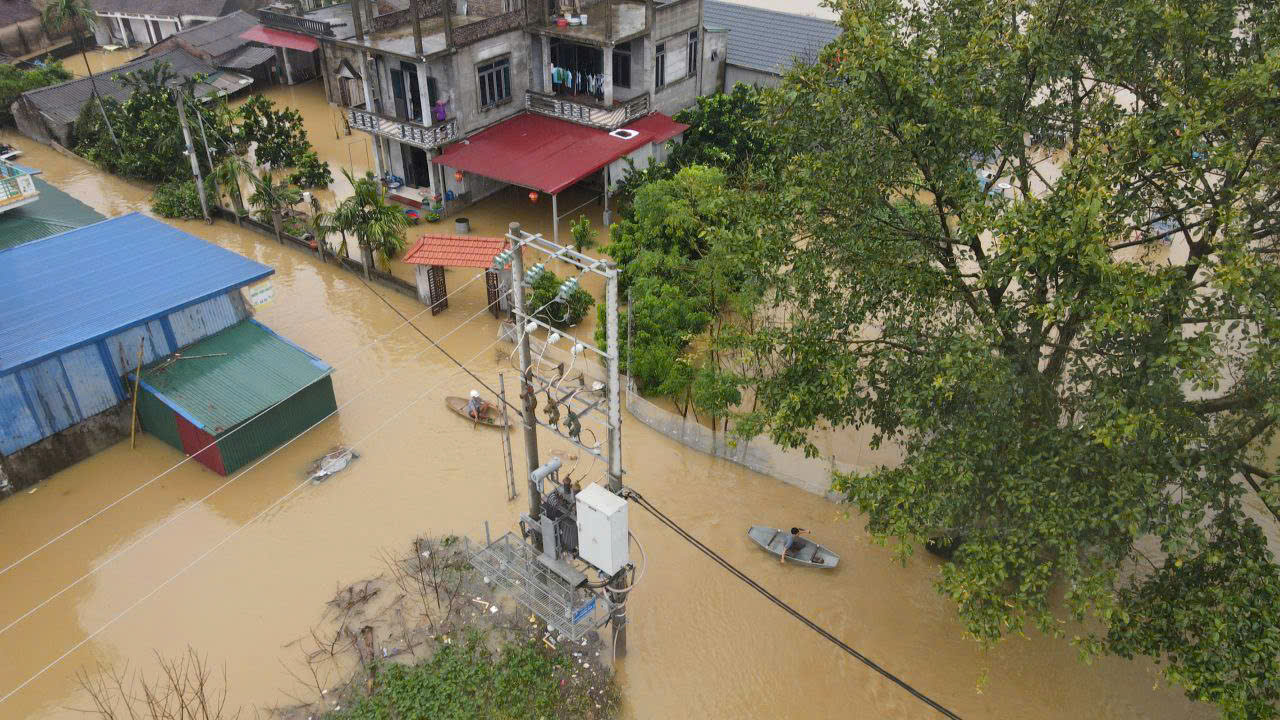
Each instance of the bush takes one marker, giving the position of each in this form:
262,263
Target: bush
312,172
559,314
523,680
14,82
177,200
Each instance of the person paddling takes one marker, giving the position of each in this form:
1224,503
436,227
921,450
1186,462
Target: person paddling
476,408
791,543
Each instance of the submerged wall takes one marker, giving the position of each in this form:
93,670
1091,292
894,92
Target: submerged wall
63,449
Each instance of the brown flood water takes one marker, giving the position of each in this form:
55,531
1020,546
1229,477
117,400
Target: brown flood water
701,643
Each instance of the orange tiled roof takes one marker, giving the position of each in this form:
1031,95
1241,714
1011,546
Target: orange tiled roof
455,250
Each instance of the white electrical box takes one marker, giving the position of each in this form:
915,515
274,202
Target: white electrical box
602,529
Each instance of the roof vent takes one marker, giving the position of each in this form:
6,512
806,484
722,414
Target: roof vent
624,134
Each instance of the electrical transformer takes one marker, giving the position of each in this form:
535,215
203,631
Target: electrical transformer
602,529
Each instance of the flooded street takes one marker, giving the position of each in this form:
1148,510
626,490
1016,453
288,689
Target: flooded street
216,564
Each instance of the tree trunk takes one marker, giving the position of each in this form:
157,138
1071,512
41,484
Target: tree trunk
237,201
275,222
366,256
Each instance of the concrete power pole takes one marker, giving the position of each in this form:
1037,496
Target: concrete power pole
619,617
530,419
191,151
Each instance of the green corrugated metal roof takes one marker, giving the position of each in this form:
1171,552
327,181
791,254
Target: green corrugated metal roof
54,212
258,370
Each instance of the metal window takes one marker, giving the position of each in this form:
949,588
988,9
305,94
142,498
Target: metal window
660,65
692,62
495,81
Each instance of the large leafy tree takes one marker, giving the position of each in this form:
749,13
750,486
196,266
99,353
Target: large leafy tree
1034,244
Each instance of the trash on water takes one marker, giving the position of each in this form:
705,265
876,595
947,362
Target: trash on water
332,463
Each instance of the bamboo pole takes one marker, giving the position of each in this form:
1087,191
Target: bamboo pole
137,380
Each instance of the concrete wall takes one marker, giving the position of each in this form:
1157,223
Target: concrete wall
465,86
674,18
734,75
23,38
671,27
64,449
713,71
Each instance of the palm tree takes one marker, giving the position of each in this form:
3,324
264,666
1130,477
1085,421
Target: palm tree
273,198
76,13
378,226
321,226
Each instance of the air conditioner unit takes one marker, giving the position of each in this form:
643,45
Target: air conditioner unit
624,134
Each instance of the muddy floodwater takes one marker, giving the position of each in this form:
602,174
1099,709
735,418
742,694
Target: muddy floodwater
225,566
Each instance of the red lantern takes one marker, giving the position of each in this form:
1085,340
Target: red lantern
533,197
457,175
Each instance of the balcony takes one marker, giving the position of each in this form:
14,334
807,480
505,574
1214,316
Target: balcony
403,130
294,23
16,187
584,114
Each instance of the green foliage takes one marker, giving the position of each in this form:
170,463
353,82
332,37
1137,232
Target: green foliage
724,131
279,138
311,172
584,238
1061,384
177,200
272,198
147,126
467,681
664,319
14,82
559,313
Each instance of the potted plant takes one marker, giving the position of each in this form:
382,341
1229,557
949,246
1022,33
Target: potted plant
432,216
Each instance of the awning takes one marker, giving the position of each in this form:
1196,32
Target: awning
662,126
280,38
539,152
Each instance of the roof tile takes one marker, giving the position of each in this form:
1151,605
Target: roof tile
455,250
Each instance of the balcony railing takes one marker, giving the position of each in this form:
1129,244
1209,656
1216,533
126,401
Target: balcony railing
583,114
294,23
404,130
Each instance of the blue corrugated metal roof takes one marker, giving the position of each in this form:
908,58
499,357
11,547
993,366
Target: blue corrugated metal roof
68,289
768,40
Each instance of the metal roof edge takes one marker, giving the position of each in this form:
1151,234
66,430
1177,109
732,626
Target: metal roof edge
169,403
315,359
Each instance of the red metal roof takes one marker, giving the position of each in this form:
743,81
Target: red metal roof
539,152
662,127
455,250
280,38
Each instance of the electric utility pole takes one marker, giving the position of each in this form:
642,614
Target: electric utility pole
526,391
191,150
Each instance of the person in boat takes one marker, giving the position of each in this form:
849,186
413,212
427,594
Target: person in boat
476,407
791,543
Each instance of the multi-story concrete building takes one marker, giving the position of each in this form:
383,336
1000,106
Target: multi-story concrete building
484,76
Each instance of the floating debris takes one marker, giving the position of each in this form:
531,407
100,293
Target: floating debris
332,463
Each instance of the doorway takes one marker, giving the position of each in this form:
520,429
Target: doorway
417,166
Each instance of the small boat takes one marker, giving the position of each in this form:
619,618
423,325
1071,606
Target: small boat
810,553
9,152
492,415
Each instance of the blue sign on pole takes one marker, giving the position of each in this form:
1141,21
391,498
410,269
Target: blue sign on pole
584,611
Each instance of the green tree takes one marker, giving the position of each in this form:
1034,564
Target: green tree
272,198
227,175
1034,245
724,131
14,81
544,303
279,137
378,225
584,238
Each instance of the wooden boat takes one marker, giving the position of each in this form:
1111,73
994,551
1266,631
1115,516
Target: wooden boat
492,417
809,553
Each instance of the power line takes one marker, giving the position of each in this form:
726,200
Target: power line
642,502
229,536
213,492
191,456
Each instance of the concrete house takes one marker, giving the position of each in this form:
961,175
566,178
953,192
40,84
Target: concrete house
22,32
764,43
221,43
462,97
147,22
